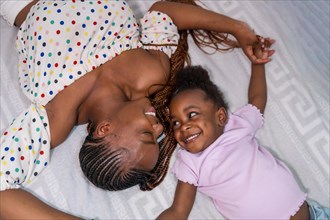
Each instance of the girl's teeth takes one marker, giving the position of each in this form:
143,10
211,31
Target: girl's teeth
191,137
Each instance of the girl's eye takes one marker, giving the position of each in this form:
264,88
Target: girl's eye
175,124
192,114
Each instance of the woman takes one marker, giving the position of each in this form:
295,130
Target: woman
124,68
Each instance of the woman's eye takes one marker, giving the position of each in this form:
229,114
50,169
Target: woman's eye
149,136
149,133
192,114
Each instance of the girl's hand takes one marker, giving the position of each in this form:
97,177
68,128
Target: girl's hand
261,50
248,41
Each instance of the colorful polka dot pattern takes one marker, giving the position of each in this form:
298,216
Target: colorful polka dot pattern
158,28
63,40
25,148
59,42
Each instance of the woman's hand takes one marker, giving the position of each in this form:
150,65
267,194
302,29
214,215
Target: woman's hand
248,41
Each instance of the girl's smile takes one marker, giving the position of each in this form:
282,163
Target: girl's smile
195,120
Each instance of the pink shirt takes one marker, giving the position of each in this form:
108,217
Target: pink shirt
243,179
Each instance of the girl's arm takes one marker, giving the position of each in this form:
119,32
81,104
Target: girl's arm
19,204
187,16
183,202
257,92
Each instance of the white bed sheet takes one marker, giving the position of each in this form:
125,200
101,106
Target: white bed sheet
296,118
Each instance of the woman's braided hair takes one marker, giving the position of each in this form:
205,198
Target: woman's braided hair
202,38
107,168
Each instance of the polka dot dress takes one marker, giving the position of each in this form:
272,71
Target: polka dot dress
59,42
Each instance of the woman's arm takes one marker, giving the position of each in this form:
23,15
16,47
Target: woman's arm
257,92
183,202
19,204
187,16
20,18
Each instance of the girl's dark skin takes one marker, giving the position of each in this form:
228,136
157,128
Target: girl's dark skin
212,121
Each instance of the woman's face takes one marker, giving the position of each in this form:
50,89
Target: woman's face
196,121
137,128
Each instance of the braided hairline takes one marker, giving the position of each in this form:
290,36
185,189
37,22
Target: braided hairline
107,168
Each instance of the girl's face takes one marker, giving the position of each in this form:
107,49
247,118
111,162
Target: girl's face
135,127
196,121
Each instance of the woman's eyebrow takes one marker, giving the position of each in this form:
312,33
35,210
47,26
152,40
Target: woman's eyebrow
148,142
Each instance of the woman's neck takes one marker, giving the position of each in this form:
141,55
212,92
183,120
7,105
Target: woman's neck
127,77
106,93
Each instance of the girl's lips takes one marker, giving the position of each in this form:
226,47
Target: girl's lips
191,138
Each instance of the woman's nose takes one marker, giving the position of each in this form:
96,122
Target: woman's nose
158,128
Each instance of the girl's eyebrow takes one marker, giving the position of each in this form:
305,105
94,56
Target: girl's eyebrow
189,107
185,110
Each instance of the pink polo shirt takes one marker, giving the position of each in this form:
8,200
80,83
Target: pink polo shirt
244,180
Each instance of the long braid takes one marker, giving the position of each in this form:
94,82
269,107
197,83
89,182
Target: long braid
217,41
159,101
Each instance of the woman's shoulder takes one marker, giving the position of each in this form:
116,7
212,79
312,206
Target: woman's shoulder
158,32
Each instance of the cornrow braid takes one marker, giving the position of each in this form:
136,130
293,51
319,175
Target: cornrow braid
107,168
160,100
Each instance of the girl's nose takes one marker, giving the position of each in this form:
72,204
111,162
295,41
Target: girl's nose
186,126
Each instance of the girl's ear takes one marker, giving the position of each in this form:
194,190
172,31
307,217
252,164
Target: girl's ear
102,129
222,116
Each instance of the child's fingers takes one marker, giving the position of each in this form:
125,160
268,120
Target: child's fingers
262,61
265,42
271,41
266,53
250,53
270,52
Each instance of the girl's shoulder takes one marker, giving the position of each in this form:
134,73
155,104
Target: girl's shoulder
246,116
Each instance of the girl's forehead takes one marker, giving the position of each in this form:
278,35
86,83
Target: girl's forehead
190,95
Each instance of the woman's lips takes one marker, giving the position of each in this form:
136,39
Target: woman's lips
151,111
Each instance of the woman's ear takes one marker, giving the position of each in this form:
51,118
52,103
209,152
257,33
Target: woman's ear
222,116
102,129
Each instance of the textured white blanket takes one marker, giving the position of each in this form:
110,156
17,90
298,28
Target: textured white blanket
296,125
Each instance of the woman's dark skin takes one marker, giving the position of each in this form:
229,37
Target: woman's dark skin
96,97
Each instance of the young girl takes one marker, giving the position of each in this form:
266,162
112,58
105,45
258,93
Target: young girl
220,156
91,62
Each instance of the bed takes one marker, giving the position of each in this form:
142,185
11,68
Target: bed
296,125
